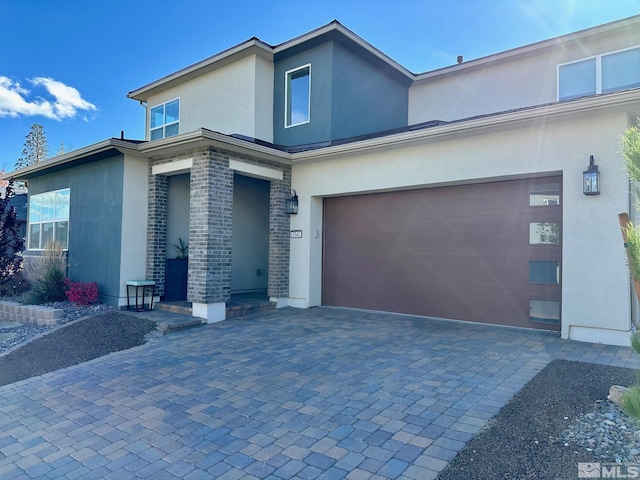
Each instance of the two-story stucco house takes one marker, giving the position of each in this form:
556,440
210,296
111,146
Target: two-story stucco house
456,193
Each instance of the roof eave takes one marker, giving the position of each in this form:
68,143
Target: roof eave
338,27
531,49
202,138
123,147
219,60
622,101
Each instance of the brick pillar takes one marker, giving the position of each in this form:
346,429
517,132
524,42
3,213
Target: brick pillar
157,230
279,241
210,228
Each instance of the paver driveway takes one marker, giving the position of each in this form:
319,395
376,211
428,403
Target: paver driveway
319,393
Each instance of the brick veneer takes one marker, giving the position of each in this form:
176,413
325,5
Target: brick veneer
210,225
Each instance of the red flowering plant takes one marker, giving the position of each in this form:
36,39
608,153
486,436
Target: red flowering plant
81,293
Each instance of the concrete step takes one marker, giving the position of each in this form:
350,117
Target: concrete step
237,311
179,323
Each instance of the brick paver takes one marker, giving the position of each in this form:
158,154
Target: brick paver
318,393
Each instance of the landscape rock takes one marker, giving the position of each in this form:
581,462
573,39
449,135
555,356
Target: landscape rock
615,394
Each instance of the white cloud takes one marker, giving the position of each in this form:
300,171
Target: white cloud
63,102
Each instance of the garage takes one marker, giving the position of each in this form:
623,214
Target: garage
485,252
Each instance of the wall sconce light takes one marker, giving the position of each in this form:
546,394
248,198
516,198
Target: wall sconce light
292,203
591,179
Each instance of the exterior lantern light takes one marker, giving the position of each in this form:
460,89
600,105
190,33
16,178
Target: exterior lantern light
292,203
591,179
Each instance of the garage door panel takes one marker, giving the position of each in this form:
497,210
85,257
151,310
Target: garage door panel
455,252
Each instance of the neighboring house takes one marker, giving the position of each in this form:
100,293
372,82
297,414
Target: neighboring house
456,193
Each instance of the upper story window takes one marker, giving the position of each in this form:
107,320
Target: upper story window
610,72
165,120
297,96
49,219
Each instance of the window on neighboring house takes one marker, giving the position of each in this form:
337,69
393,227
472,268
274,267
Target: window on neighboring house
297,96
49,219
165,120
606,73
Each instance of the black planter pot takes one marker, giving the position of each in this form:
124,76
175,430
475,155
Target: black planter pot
176,273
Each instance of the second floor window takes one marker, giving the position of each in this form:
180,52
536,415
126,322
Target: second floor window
165,120
611,72
297,96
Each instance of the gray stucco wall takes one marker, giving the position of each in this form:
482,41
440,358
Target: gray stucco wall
351,94
95,221
319,127
365,98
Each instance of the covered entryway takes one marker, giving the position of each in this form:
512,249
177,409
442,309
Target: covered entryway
488,252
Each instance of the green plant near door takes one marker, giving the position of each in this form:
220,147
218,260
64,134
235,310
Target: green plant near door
182,247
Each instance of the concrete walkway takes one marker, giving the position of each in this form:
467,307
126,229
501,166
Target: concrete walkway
319,393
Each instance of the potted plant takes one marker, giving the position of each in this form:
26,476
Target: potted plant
176,273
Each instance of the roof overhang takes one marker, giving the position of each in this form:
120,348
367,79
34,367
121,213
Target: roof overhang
198,139
215,62
621,102
350,37
528,50
61,161
257,47
627,102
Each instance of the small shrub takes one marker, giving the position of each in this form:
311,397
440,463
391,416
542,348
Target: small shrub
50,286
81,293
631,402
635,341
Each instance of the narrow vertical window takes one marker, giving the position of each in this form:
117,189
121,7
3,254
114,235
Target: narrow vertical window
297,96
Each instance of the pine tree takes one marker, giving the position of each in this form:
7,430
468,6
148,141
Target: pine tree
35,147
11,244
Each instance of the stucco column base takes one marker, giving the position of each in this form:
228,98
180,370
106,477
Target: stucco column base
600,335
212,312
280,302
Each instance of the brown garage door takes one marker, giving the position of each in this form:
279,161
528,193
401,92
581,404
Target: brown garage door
486,252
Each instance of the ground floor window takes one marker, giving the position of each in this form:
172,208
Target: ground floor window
49,219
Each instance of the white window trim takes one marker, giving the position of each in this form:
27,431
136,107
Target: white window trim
286,95
165,125
598,59
54,221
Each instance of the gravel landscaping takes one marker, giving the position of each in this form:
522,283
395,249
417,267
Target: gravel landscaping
79,339
560,418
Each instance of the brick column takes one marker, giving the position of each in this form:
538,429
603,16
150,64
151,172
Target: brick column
279,241
157,230
210,229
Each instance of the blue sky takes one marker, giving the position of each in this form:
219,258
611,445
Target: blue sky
68,64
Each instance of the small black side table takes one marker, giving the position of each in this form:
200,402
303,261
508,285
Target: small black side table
144,285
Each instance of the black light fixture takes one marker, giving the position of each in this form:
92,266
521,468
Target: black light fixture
591,179
292,203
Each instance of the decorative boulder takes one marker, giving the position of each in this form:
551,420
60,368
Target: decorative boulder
615,394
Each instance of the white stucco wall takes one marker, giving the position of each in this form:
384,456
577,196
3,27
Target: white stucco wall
596,293
133,259
228,100
520,81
